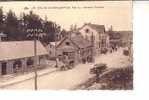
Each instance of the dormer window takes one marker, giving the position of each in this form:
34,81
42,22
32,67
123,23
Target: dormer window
87,30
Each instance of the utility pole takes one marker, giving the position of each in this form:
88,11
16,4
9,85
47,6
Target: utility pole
92,49
35,33
56,51
56,36
35,59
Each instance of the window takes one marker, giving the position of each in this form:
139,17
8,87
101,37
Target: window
17,65
30,62
71,55
99,45
67,43
87,30
65,53
103,43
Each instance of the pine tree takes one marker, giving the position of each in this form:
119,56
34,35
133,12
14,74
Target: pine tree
1,20
11,26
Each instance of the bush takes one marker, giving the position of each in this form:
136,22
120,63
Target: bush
120,78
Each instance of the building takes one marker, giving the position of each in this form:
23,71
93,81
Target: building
18,56
51,49
121,39
126,37
127,41
74,50
115,40
98,31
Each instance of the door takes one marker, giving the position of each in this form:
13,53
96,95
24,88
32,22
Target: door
3,70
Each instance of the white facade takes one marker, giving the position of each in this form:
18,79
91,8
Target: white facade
87,32
101,39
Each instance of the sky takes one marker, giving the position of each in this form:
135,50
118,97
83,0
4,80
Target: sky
115,13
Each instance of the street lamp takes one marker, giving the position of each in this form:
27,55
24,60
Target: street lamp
35,33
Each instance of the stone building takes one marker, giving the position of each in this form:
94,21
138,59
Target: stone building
101,41
18,56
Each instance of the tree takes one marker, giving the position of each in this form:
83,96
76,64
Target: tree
34,21
15,27
1,20
73,28
52,30
48,28
118,78
11,26
34,29
21,28
63,33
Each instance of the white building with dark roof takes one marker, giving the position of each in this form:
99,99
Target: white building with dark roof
18,56
100,36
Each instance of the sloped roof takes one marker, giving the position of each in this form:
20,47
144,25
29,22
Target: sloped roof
96,27
19,49
114,35
128,35
124,35
80,41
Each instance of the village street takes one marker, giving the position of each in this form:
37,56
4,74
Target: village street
56,80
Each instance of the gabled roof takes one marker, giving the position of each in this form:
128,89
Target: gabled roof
78,41
19,49
98,28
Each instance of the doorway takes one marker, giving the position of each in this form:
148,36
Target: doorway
4,68
17,66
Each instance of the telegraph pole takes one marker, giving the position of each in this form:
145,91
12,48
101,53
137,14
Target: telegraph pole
92,49
35,61
56,51
35,33
56,39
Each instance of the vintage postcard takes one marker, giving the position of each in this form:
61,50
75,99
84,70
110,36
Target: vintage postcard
83,45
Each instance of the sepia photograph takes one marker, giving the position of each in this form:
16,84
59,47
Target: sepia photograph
71,45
